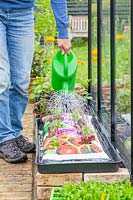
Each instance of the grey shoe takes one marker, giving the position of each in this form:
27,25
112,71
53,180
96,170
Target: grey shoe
11,153
24,144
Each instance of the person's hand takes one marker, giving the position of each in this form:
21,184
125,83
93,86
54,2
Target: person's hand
64,45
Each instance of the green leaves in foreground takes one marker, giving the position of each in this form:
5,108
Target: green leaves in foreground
93,190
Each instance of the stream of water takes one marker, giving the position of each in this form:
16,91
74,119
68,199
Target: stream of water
67,102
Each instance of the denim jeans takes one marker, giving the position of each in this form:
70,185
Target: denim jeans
16,54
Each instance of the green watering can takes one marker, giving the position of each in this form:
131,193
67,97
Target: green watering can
64,69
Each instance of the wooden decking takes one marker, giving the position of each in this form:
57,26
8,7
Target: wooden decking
23,182
16,180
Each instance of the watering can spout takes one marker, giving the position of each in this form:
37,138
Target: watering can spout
64,69
65,86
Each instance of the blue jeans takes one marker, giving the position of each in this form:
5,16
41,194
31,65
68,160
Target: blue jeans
16,54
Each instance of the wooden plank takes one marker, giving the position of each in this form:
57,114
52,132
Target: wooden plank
16,173
16,196
43,193
9,166
15,188
17,179
122,174
57,179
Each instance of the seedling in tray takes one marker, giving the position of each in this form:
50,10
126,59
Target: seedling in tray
53,126
87,135
55,143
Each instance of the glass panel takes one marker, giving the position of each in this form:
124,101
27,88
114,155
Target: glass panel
78,32
94,50
123,79
105,60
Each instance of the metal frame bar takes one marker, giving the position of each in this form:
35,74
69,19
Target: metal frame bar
89,47
99,40
131,17
112,67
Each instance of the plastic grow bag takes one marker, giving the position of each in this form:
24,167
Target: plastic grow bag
80,165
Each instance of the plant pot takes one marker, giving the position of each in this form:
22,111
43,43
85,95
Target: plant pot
31,101
80,90
55,194
31,81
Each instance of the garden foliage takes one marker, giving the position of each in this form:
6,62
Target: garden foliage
94,190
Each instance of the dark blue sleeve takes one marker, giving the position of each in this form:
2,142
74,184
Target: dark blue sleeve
59,8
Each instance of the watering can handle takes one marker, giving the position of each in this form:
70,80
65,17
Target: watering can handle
65,65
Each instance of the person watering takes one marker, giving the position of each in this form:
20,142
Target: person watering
16,54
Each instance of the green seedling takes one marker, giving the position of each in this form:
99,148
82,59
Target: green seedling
75,116
55,143
94,190
87,130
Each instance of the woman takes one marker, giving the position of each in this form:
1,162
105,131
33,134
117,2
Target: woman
16,54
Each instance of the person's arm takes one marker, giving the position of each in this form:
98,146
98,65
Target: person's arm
59,8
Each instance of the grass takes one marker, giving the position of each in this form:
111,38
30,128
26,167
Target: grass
82,58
